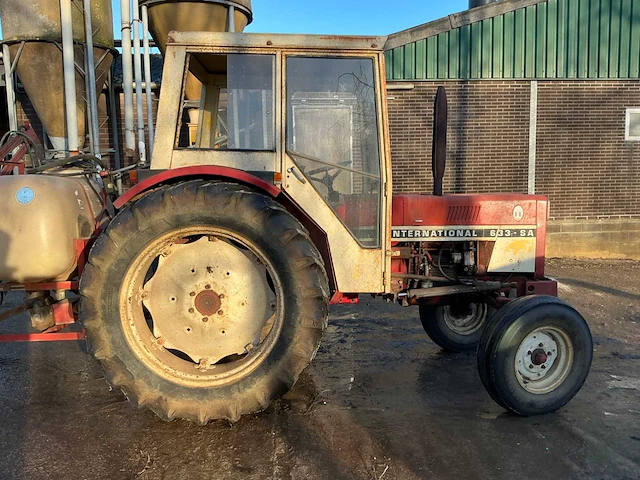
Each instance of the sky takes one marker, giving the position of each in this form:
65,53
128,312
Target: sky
340,17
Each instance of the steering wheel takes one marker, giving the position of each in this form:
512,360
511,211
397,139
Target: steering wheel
326,177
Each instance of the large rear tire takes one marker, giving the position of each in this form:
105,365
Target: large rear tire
204,300
535,355
456,329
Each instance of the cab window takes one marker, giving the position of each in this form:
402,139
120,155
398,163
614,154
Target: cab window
332,135
228,103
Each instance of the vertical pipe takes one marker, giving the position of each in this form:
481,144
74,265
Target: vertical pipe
87,103
147,76
90,73
11,93
114,128
232,19
232,94
533,137
68,57
127,79
137,67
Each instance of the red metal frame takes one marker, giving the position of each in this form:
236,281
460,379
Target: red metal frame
339,298
13,143
185,173
42,337
38,287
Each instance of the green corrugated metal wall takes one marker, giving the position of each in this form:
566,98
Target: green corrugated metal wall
552,39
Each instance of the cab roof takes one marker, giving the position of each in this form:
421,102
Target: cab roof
268,40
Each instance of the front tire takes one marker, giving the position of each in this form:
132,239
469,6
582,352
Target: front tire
456,329
204,300
535,355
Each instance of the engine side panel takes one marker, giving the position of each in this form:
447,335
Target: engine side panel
506,233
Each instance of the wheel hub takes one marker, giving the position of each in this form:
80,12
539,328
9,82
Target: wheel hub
208,299
208,302
539,357
465,321
544,360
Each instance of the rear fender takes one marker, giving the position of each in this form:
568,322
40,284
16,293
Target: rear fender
168,177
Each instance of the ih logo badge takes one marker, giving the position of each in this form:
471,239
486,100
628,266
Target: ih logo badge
518,213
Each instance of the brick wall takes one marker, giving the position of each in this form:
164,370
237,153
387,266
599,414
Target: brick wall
583,163
488,137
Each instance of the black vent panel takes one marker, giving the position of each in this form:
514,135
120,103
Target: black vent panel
463,214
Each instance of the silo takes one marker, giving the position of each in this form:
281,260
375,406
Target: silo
40,67
480,3
195,16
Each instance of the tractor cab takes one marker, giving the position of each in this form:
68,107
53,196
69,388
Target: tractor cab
307,114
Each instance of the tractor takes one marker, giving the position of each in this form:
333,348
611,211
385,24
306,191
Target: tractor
204,289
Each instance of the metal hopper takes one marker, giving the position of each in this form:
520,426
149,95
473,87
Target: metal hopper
33,31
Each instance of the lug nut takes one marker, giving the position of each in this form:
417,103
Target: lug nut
191,310
543,367
220,312
541,345
549,354
205,319
192,294
531,366
207,287
221,296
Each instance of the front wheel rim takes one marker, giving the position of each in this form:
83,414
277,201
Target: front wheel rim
160,314
544,360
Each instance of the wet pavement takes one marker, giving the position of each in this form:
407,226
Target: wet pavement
380,401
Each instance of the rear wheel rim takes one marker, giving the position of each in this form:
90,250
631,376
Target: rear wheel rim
158,330
544,360
466,324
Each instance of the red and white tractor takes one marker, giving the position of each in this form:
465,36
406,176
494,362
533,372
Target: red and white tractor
205,288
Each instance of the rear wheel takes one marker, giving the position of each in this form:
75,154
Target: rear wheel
535,355
456,328
204,300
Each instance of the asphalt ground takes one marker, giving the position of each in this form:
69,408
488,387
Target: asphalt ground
380,401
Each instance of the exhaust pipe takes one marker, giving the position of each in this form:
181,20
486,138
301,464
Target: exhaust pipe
439,147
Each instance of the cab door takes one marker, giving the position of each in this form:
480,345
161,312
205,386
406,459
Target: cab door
334,164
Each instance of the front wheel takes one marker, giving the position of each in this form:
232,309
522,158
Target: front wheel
535,355
204,300
456,328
